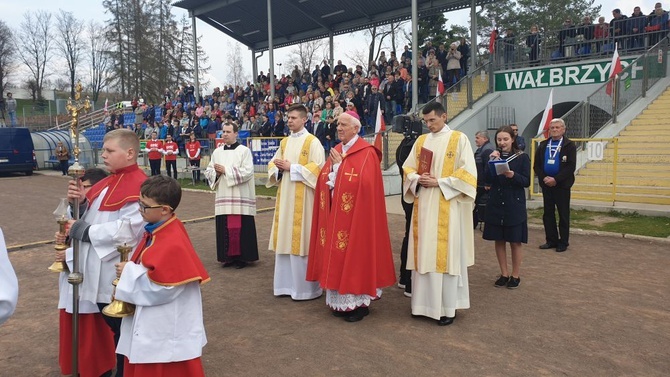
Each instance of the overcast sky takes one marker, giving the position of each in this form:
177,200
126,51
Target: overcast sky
215,42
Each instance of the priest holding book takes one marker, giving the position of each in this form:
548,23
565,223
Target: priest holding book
441,181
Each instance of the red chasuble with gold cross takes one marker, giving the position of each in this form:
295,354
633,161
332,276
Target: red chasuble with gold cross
350,249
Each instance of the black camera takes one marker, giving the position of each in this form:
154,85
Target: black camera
409,126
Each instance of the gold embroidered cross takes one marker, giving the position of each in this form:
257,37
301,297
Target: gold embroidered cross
351,174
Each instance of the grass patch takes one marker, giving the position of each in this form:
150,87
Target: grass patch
613,221
187,183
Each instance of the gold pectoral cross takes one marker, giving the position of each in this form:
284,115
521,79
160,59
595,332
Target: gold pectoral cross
351,174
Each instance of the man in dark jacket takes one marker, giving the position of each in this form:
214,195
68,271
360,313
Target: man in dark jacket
555,163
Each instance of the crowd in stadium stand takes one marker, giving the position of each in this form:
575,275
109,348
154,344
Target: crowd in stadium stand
329,91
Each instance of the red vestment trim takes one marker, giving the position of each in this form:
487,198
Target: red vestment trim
124,187
96,345
170,256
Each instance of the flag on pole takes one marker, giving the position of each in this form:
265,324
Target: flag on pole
440,84
615,69
547,116
379,127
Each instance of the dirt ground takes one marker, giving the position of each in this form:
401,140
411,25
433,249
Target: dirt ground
600,309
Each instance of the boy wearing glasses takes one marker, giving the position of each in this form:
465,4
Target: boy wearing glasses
166,333
102,209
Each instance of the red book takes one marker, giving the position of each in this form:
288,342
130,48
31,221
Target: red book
425,160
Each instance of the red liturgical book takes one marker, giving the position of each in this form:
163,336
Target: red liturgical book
425,160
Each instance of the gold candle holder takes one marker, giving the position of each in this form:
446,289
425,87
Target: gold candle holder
118,308
61,218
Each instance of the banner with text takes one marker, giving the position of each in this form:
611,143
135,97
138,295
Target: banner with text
565,75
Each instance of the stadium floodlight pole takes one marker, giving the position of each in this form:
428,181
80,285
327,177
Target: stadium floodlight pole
196,92
271,50
74,108
415,56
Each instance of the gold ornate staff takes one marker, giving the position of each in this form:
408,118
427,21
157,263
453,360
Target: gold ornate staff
74,108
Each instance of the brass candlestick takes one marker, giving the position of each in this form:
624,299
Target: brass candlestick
118,308
61,216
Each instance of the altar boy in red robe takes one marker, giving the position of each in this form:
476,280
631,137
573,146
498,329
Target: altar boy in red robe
165,335
350,249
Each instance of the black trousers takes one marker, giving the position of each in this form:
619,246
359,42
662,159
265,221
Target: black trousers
64,165
115,325
171,165
155,167
556,198
405,275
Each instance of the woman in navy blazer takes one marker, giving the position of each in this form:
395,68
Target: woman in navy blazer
506,217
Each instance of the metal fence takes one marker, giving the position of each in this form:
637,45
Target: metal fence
611,99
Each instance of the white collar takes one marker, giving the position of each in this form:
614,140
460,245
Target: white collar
350,144
299,133
439,133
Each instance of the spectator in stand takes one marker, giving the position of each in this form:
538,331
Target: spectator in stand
658,25
618,28
601,33
509,46
170,150
325,70
63,156
441,55
407,54
256,124
520,141
375,100
566,38
266,128
453,67
464,49
423,81
193,150
435,72
427,48
636,25
154,148
533,41
340,68
148,130
585,33
278,125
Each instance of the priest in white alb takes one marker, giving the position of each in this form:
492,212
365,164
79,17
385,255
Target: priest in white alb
231,173
441,240
294,169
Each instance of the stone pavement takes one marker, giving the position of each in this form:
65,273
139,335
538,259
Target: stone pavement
599,309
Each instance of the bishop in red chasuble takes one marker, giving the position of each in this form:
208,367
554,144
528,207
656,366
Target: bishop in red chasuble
350,249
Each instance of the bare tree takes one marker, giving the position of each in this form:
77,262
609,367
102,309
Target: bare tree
34,46
69,43
99,57
236,75
359,57
306,54
7,55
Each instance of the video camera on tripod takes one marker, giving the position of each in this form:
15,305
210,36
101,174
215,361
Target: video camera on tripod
410,126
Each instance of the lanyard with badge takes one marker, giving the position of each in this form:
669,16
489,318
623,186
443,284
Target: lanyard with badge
552,156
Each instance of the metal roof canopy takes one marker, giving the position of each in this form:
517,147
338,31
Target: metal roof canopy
297,21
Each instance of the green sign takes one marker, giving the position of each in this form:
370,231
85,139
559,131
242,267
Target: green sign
564,75
143,144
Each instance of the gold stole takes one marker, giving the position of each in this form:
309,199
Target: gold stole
444,209
299,198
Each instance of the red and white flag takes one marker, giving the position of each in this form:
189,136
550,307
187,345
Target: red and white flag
547,116
615,69
440,84
380,126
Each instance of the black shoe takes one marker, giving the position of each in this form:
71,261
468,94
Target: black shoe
240,265
560,249
227,264
446,321
547,246
357,314
501,282
339,314
513,282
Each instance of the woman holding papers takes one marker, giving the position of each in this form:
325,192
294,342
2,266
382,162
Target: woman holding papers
507,174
